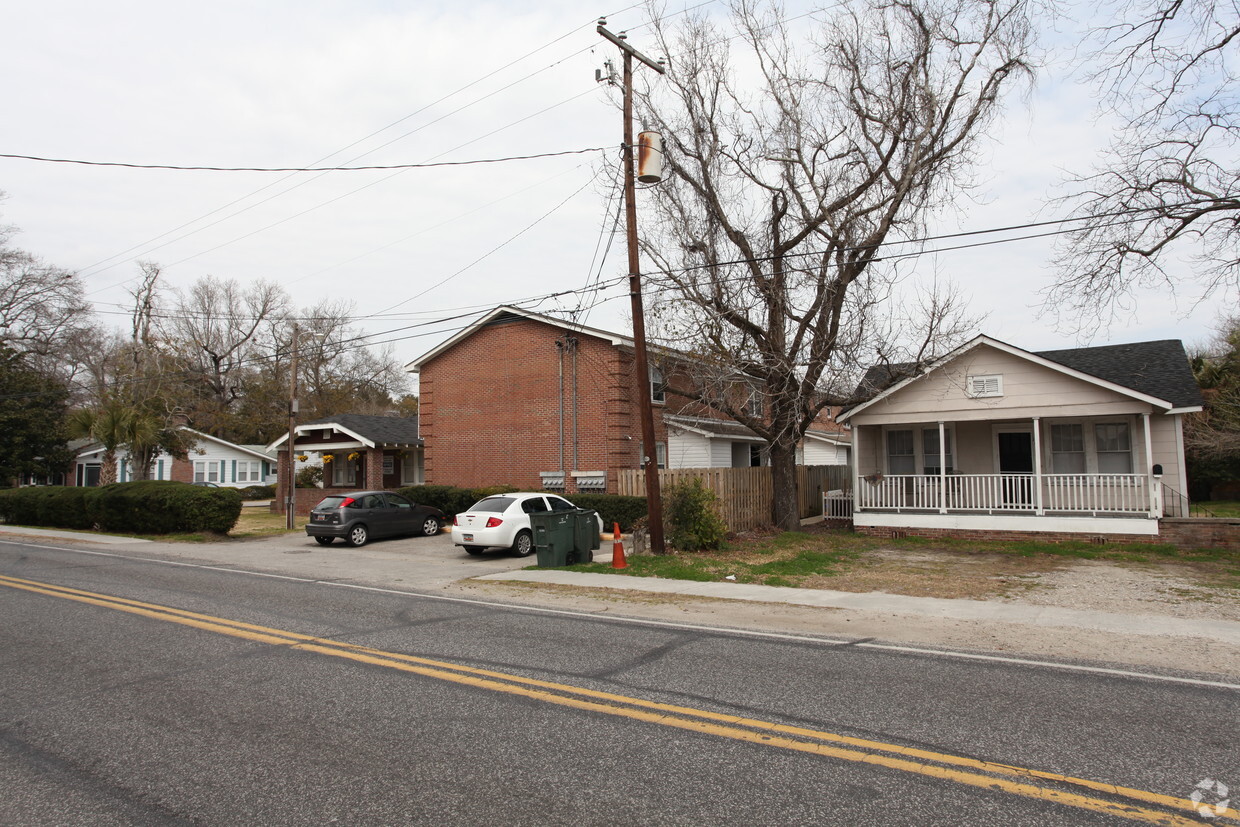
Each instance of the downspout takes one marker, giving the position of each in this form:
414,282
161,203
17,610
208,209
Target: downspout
559,351
572,344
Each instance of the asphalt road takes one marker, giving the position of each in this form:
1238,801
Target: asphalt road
136,692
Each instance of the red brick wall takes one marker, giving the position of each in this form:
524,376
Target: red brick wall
182,470
490,408
1201,532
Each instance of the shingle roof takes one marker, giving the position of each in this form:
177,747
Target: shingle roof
383,430
1159,369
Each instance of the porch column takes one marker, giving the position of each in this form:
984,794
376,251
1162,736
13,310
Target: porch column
856,492
942,468
1155,485
1037,467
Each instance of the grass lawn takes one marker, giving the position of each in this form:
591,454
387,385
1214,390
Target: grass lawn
261,522
832,559
1221,508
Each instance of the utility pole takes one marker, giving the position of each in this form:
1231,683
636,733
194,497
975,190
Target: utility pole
291,504
654,501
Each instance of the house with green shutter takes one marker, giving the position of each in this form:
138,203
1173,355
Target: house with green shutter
210,460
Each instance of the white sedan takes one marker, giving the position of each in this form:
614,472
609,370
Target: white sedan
503,520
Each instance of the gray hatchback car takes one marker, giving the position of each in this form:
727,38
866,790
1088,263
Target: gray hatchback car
360,516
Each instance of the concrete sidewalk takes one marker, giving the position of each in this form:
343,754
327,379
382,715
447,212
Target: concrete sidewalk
80,536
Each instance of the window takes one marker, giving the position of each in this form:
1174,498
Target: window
660,456
1114,448
534,505
658,390
206,471
982,386
754,405
900,458
558,504
344,474
930,450
249,471
1067,449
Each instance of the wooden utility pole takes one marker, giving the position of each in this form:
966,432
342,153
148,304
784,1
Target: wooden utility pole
654,501
291,487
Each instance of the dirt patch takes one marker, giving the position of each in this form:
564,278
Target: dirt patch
946,574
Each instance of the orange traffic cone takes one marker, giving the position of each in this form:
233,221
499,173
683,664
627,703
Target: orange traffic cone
617,550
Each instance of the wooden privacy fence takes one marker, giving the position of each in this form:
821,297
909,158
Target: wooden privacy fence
746,495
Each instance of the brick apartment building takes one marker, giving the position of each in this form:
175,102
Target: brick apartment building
529,400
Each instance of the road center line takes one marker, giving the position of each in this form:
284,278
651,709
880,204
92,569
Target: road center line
821,641
977,773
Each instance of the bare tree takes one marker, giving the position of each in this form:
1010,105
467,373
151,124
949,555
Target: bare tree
1170,180
213,333
40,304
788,166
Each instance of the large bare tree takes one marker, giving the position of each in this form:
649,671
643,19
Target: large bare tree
1170,181
791,158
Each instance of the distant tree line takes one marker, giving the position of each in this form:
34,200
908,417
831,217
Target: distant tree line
215,355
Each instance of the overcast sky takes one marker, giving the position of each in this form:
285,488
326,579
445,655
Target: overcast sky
293,84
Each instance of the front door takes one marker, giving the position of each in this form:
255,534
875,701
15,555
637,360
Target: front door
1016,457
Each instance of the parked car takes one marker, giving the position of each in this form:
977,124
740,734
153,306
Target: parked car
359,516
503,521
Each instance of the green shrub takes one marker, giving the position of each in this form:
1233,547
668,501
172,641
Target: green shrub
448,498
612,508
161,507
258,492
64,507
20,506
691,514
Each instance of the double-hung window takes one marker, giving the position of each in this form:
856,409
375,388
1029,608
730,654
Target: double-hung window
1068,449
901,458
1114,446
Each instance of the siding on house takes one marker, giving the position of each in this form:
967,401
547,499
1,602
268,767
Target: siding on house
1028,390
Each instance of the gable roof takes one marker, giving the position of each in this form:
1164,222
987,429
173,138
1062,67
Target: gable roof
373,431
505,314
1155,372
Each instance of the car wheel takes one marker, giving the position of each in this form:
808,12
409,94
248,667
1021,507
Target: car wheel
324,541
474,550
358,536
523,546
431,527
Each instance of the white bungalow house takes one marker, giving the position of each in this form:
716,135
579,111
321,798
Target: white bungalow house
995,439
210,460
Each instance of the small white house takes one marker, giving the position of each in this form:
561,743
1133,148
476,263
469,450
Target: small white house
702,442
210,460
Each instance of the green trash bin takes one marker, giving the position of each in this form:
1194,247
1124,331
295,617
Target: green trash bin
553,537
585,536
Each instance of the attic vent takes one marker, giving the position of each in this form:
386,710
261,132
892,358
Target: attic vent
981,386
505,318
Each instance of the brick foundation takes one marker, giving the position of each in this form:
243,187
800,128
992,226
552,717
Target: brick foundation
1182,532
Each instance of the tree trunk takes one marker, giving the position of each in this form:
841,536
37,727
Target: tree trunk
784,483
107,468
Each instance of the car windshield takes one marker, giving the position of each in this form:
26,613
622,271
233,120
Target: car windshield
498,505
329,502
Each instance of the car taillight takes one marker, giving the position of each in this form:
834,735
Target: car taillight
492,522
346,502
456,519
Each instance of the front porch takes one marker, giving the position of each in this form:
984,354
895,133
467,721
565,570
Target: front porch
1081,475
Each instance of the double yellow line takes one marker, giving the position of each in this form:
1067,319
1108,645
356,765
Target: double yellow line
1124,802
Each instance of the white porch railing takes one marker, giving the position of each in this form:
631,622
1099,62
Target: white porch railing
1094,494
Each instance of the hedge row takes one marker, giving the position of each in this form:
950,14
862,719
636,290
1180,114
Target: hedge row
143,507
451,500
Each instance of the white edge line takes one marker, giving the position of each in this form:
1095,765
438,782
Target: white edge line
887,647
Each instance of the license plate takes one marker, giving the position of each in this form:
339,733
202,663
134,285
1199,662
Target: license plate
469,538
317,518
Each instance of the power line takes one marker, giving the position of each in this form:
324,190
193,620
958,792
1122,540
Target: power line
310,169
